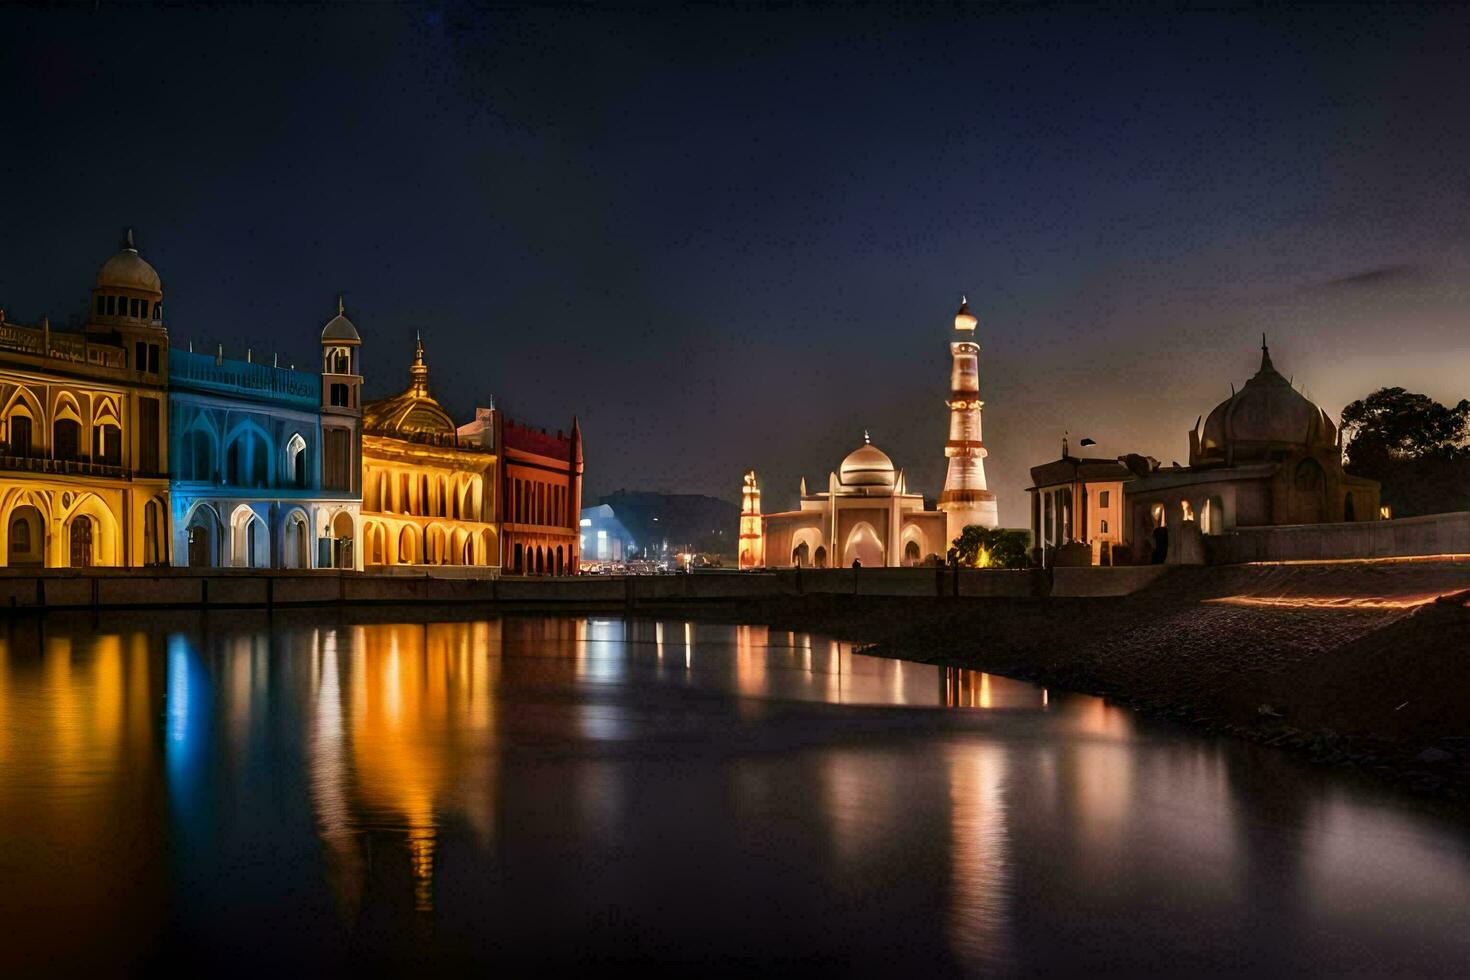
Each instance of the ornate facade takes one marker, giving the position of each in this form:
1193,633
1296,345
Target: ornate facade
84,429
266,460
866,516
428,495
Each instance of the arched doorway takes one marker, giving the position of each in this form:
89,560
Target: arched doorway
519,564
27,537
408,552
911,554
201,532
559,567
297,552
540,561
819,557
249,540
82,552
801,556
863,546
344,541
153,533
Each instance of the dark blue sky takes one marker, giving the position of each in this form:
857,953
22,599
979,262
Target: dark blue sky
734,238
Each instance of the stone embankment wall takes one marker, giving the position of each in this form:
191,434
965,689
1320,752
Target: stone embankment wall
1404,537
223,588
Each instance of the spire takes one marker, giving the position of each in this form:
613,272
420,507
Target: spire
866,441
341,309
1266,364
418,371
127,241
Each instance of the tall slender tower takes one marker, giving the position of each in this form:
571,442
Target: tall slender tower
965,499
752,542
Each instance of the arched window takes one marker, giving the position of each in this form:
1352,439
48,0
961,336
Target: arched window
196,456
107,443
296,461
20,435
519,565
66,439
27,537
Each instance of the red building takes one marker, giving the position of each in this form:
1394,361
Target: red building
540,501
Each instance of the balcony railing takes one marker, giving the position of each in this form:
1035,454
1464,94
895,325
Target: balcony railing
62,467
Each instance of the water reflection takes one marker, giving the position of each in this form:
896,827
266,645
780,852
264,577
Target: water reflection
312,794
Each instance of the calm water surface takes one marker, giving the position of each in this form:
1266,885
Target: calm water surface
297,794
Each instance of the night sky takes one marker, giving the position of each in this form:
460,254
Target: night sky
735,238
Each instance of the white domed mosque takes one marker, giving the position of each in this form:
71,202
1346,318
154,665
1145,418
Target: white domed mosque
867,515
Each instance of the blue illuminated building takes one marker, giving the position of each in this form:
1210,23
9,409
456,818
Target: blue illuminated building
266,461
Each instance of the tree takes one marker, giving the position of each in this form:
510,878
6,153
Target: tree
1393,424
984,547
1413,446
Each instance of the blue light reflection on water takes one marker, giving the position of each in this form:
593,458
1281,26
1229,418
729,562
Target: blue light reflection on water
188,712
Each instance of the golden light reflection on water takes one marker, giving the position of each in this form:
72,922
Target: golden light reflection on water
446,745
422,734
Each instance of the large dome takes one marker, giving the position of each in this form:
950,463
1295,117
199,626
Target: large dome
413,413
1266,415
128,270
867,466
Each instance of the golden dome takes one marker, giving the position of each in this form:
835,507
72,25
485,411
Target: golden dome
867,466
128,270
413,413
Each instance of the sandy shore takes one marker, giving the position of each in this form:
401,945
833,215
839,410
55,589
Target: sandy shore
1364,665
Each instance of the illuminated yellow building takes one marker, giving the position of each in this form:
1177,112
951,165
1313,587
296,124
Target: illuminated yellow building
83,429
428,495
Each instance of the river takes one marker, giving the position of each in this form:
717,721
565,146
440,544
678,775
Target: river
313,792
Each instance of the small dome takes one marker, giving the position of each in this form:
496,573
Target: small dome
867,466
339,327
964,319
1266,414
128,270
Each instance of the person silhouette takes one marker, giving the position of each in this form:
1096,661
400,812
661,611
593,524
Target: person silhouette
857,563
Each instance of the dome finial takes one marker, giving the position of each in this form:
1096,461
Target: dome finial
127,241
1265,354
963,318
866,441
419,371
341,309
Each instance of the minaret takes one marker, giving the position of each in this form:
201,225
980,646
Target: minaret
965,499
752,543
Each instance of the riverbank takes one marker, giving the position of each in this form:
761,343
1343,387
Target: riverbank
1356,664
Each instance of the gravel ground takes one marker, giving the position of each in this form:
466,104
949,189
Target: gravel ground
1353,664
